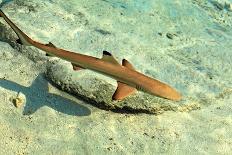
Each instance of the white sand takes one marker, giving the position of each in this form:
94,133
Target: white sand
196,61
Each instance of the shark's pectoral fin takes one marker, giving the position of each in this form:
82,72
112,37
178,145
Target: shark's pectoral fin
76,67
122,91
107,56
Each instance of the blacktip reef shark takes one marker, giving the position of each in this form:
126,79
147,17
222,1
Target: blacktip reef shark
129,80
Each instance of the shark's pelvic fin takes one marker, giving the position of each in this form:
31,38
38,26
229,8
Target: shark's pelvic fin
107,56
122,91
49,55
76,67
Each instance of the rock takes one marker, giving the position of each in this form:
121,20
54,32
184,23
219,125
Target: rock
99,92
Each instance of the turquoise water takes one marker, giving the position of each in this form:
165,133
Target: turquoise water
186,44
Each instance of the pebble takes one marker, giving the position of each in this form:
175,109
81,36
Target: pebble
19,100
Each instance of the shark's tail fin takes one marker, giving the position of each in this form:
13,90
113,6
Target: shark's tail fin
23,38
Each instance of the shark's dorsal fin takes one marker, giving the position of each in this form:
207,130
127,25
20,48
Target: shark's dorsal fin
51,45
107,56
127,64
76,67
122,91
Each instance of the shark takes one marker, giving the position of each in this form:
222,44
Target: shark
129,80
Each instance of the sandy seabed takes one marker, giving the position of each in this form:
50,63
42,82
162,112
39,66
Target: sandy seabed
186,44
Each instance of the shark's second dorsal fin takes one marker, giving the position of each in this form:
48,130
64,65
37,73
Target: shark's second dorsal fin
107,56
51,45
122,91
127,64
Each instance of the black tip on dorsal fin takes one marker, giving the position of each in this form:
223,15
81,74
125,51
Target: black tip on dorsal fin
107,56
127,64
124,61
107,53
51,45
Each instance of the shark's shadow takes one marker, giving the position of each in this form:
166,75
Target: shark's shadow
37,95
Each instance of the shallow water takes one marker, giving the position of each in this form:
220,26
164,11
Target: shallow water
186,44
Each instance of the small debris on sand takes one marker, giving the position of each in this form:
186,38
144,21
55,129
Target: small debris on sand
228,6
19,100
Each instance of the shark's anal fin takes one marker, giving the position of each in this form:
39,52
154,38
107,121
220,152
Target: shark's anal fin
49,55
76,67
107,56
122,91
22,42
19,41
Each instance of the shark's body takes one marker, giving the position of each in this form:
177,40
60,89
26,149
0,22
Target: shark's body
129,80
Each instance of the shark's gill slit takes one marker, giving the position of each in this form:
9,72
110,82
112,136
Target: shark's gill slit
138,87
